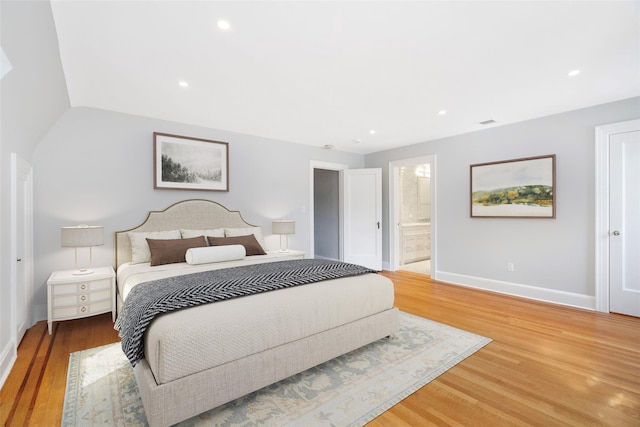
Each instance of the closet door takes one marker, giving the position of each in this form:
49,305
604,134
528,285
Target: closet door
21,246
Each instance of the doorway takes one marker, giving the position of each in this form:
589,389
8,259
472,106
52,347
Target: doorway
414,212
326,186
357,219
326,214
412,215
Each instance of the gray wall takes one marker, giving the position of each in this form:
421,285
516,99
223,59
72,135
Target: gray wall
552,254
33,96
96,167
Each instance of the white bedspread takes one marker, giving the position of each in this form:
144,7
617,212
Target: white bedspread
191,340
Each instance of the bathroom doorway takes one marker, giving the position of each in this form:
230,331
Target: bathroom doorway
412,200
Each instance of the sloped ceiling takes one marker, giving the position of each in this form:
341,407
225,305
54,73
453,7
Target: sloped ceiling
330,72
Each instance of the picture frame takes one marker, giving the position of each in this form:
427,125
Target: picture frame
517,188
186,163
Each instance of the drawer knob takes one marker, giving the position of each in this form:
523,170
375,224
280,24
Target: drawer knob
83,298
83,286
83,309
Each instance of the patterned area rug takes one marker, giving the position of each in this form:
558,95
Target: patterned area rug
350,390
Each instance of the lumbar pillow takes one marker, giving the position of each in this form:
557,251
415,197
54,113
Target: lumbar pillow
196,256
140,248
171,251
249,242
256,231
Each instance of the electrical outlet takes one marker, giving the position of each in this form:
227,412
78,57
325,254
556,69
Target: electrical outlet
511,266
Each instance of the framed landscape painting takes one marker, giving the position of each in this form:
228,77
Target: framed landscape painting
519,188
184,163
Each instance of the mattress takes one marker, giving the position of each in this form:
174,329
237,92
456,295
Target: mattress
188,341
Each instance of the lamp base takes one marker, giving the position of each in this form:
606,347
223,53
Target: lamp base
82,271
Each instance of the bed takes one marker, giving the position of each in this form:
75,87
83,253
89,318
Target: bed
201,357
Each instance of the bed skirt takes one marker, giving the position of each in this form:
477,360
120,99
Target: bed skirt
178,400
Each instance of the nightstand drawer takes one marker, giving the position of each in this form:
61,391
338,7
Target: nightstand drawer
80,299
81,310
84,287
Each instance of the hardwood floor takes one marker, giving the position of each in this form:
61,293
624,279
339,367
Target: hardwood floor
548,365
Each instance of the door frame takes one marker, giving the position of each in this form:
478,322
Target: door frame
316,164
394,206
602,205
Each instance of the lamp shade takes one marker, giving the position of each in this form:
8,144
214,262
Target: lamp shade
82,236
284,226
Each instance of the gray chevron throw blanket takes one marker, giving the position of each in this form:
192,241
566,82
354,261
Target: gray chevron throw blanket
147,300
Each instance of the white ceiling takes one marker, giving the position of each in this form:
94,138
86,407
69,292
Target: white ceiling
328,72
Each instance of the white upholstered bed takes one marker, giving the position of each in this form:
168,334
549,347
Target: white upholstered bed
199,358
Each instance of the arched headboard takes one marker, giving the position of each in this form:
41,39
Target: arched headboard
197,214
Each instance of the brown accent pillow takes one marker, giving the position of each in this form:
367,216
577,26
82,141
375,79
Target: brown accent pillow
171,251
249,242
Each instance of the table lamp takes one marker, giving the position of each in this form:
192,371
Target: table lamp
284,227
82,236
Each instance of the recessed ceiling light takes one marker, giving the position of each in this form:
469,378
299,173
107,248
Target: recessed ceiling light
442,112
574,73
224,25
372,131
357,140
328,147
183,84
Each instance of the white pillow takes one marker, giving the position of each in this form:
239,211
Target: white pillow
216,232
214,254
140,247
237,232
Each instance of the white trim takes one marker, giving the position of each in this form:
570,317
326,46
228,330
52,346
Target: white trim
524,291
8,358
603,134
317,164
394,171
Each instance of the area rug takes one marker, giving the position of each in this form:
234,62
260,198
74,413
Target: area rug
350,390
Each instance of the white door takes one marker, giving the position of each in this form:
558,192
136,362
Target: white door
21,246
624,225
363,217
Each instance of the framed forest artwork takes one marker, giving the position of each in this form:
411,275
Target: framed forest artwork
518,188
185,163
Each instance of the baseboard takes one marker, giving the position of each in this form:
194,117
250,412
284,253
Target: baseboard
7,358
525,291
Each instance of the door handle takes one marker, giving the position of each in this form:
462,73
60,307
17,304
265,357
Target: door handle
616,233
378,224
19,260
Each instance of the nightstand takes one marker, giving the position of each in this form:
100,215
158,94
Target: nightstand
290,254
71,296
